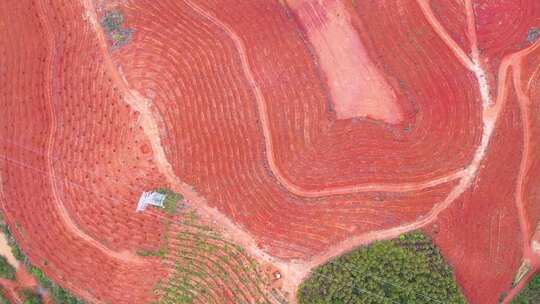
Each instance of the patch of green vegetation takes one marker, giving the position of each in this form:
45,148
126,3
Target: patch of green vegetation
112,21
408,269
202,268
112,25
7,271
531,293
148,253
31,297
120,37
62,296
171,201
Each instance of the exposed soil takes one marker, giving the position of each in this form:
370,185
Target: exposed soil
253,118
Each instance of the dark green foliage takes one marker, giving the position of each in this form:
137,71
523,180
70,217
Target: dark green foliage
59,294
531,293
533,34
31,297
172,200
406,270
62,296
17,253
7,271
40,277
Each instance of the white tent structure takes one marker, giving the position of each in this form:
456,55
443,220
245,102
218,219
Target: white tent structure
150,198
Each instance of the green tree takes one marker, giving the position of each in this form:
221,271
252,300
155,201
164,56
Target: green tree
531,293
405,270
7,271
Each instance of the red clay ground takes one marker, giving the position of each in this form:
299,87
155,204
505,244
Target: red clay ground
263,116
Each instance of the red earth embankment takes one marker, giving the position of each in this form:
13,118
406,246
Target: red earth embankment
244,107
478,232
38,178
229,134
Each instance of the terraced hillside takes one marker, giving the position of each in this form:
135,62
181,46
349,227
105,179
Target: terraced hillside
296,130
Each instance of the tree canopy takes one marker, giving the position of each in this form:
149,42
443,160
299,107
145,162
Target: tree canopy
7,271
406,270
531,293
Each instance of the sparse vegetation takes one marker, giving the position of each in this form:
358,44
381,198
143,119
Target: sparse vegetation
112,21
531,293
203,260
112,25
405,270
7,271
171,204
158,253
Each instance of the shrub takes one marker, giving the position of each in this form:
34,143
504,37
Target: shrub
531,293
17,253
62,296
40,277
112,21
112,25
171,201
405,270
7,271
31,297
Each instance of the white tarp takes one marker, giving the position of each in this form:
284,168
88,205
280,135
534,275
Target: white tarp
150,198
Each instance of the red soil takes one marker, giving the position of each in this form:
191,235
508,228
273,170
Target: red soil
478,234
245,115
245,164
357,88
453,17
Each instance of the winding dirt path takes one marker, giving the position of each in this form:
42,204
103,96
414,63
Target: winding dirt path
295,271
531,254
149,122
263,118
